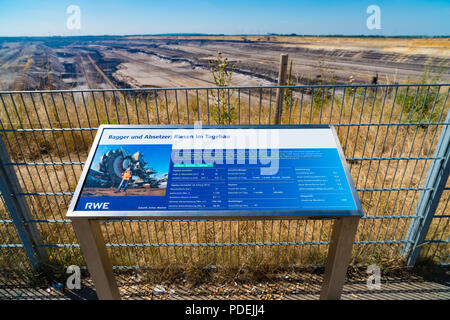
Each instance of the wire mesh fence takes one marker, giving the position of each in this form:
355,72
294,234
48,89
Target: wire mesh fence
389,135
438,238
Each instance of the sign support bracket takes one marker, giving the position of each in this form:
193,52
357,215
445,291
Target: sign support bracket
339,252
93,247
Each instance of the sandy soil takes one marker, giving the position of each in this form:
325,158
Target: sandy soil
183,61
419,46
145,70
111,192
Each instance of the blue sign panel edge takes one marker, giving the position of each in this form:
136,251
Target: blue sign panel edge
205,214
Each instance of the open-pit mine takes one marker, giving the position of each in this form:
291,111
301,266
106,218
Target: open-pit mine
96,62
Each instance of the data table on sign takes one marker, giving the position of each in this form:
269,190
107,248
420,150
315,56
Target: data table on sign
302,181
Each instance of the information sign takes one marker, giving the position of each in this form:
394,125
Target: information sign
211,171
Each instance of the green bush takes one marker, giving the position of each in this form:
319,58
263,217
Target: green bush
222,72
424,103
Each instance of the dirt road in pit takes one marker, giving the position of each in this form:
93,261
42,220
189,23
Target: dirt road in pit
112,192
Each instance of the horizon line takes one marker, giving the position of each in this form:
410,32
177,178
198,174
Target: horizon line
233,35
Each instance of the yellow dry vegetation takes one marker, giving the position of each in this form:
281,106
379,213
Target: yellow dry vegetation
363,136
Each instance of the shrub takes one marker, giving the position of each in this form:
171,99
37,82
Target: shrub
222,73
423,103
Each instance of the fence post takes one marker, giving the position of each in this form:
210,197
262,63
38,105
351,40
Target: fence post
281,82
434,185
19,211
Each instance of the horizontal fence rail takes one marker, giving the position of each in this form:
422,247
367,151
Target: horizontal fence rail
389,134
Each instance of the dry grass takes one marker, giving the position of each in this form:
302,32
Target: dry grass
361,113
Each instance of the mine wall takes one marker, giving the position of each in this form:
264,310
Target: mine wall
81,62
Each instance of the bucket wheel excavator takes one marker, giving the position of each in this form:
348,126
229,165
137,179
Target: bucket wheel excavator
113,163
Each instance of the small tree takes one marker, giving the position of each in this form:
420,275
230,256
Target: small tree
326,76
222,73
290,82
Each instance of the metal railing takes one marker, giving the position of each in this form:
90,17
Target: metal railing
395,139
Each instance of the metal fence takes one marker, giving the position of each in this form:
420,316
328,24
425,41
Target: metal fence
395,137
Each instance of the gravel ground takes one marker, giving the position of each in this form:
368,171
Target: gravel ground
303,285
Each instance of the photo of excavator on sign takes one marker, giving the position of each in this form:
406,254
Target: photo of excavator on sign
128,171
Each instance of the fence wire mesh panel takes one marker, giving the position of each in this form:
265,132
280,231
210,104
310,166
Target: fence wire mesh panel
388,132
12,254
437,241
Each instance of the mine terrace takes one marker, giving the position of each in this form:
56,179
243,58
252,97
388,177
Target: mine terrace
105,62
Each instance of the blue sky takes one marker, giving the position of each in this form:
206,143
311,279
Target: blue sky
47,18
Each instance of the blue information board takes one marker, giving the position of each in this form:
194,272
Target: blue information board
213,171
